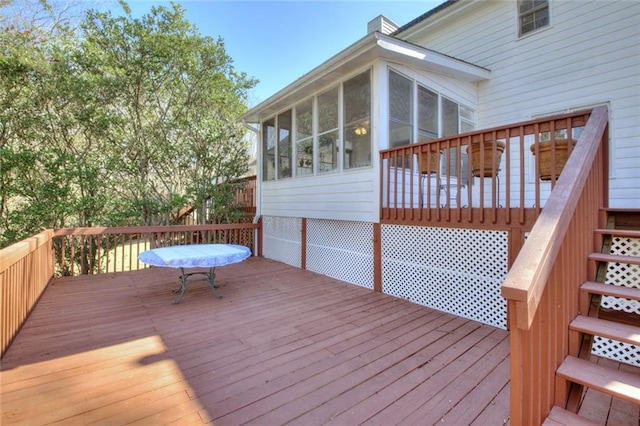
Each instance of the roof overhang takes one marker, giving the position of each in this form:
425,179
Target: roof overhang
373,46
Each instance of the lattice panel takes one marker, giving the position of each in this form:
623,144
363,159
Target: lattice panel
459,271
619,351
282,239
622,274
342,250
625,275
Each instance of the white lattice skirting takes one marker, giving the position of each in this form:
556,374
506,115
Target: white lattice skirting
342,250
625,275
281,239
338,249
459,271
453,270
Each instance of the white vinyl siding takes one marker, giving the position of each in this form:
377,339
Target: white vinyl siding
350,196
532,15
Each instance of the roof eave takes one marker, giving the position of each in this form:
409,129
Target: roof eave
373,46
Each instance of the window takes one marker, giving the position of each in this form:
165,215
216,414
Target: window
532,15
436,116
450,124
328,130
269,149
427,114
400,109
284,145
304,138
357,121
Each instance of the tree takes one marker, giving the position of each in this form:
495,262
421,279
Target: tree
179,100
118,121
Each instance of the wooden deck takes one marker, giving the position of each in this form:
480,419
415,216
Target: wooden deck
283,346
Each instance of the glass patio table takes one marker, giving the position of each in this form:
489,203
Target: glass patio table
195,256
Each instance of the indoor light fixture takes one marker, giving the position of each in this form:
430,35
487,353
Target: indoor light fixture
360,130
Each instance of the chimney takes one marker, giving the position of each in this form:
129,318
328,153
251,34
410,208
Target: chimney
381,24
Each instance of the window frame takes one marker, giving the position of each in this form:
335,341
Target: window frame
338,155
462,121
531,12
411,124
358,123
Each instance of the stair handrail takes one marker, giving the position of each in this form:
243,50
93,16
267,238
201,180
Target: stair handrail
542,286
530,271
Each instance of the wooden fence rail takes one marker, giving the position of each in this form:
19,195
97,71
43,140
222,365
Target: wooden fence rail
26,268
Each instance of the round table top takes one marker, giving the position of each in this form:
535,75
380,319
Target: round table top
195,255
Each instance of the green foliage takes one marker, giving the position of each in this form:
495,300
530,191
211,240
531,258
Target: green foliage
116,121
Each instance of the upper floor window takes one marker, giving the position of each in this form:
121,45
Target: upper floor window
532,15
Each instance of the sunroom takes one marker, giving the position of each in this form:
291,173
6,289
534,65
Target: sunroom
330,124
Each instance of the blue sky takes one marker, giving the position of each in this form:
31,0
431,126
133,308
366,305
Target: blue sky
279,41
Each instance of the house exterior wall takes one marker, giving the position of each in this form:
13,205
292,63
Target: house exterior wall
350,195
588,56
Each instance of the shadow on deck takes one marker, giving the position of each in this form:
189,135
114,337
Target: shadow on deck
284,345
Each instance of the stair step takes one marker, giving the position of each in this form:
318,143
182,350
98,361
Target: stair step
561,417
614,258
608,329
625,233
611,290
624,218
612,382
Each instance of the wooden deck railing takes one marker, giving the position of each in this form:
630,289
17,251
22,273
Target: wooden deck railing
25,271
103,250
454,181
246,196
543,284
27,267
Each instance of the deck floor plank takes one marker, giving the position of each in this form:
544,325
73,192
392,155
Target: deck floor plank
283,346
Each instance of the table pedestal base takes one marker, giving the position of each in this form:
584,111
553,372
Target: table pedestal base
209,276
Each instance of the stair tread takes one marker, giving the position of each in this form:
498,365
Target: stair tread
615,258
630,233
619,384
611,290
609,329
559,416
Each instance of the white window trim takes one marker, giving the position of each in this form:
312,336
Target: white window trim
519,34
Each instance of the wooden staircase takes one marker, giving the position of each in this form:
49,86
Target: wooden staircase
580,372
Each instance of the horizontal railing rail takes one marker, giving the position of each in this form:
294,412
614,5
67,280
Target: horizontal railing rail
26,268
80,251
494,177
543,284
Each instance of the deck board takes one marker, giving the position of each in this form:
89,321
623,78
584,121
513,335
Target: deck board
284,346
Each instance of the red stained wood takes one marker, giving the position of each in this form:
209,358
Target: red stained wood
282,345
